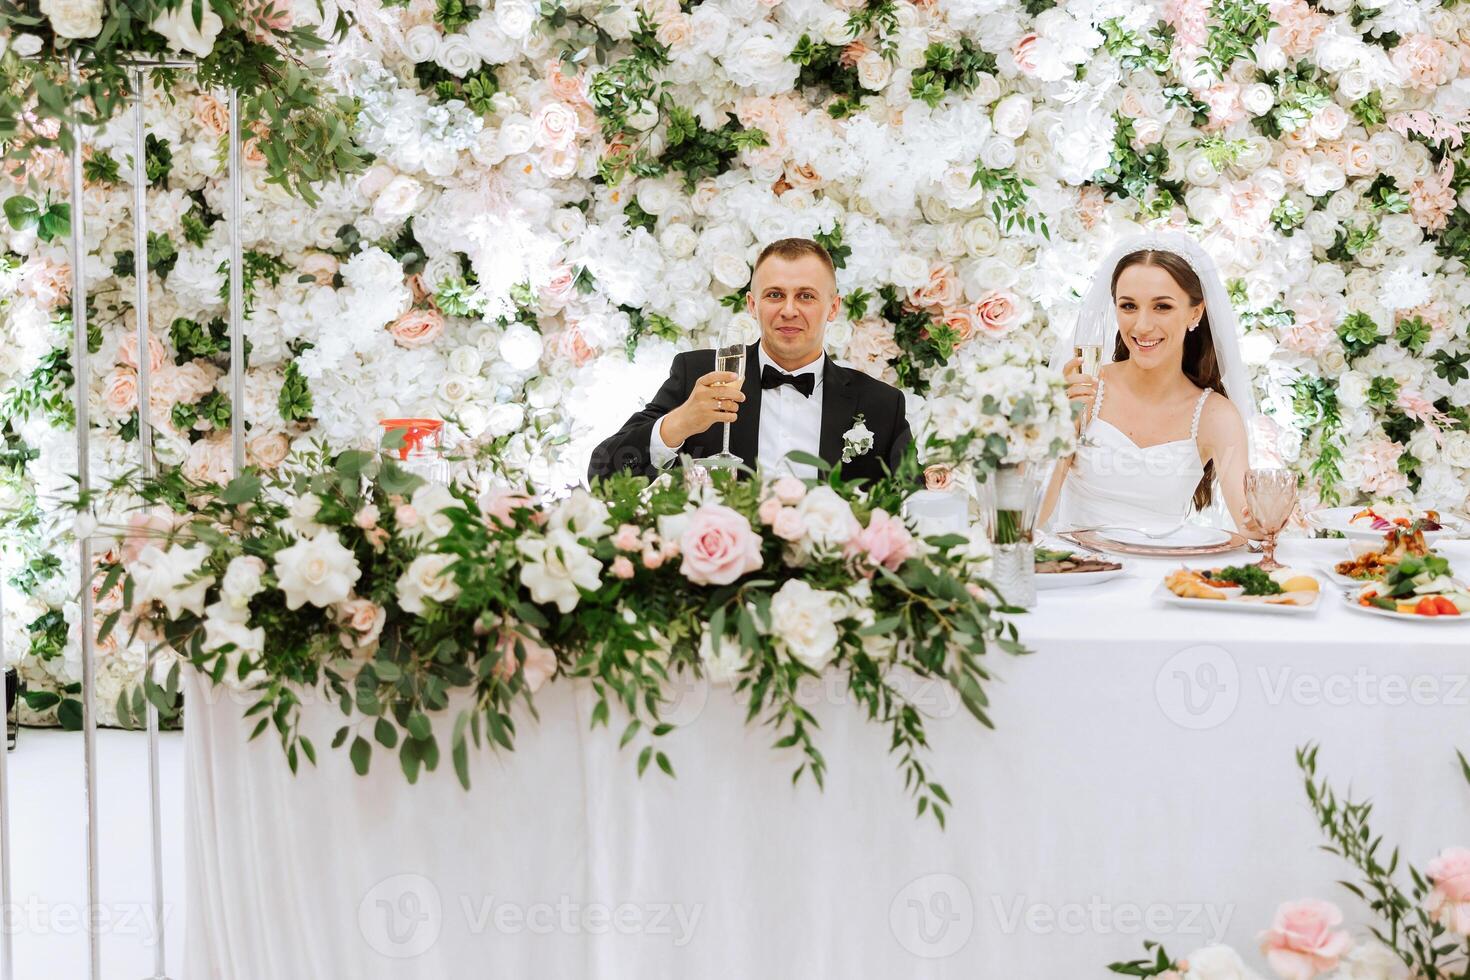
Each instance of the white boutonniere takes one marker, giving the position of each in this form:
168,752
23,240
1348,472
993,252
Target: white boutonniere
857,440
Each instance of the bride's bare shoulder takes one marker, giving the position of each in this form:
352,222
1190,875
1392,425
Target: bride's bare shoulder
1219,420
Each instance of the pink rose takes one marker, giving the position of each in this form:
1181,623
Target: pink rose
367,517
405,516
1223,100
997,312
718,546
145,528
263,18
768,510
364,619
558,289
211,115
127,351
555,125
789,490
789,525
652,558
268,449
193,379
320,266
1301,942
942,289
571,88
210,460
417,328
1449,902
885,541
540,663
872,346
938,477
852,54
120,395
627,538
622,567
47,282
572,344
501,503
961,321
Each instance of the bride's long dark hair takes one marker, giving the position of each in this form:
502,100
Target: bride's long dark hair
1199,363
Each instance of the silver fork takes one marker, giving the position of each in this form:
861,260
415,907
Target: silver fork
1155,535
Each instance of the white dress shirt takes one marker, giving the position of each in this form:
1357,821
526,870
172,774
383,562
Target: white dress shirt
789,422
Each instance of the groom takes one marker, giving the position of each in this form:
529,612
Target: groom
793,398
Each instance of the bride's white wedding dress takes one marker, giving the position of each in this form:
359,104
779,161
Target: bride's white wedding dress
1115,481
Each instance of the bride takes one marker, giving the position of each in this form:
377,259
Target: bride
1163,423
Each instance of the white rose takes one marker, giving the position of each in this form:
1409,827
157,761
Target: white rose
644,116
580,514
1354,84
556,567
172,578
1323,177
1330,121
982,236
828,519
318,570
1352,389
466,360
730,269
521,346
1218,963
1456,449
420,43
1011,116
74,18
430,501
27,45
489,41
998,154
1369,961
456,55
1199,170
1258,98
678,240
516,135
909,270
986,90
178,28
721,659
426,579
397,199
515,18
745,326
873,71
802,620
504,419
760,62
242,580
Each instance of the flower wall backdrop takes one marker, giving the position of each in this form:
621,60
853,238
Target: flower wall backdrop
561,196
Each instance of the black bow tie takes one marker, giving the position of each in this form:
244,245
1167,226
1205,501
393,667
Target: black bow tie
773,378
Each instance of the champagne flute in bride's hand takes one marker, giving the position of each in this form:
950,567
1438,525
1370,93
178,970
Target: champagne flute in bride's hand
1271,496
729,356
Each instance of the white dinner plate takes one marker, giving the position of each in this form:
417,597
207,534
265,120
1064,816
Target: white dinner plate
1069,580
1345,581
1236,605
1339,518
1188,536
1350,596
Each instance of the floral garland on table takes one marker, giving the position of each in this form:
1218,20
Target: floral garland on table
1423,933
349,575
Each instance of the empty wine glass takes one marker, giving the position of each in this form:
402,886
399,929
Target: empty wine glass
729,356
1271,496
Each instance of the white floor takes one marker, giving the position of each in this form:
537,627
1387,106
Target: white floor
45,922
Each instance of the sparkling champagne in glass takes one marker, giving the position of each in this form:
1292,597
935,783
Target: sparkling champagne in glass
1091,356
1271,496
729,356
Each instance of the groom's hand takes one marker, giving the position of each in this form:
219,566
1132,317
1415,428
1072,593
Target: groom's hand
716,398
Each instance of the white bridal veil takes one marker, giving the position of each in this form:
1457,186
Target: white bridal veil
1098,322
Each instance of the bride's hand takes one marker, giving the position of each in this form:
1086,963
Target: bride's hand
1251,529
1081,388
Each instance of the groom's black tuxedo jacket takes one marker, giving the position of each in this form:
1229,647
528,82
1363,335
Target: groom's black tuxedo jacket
845,394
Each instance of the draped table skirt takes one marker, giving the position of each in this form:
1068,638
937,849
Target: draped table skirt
1140,783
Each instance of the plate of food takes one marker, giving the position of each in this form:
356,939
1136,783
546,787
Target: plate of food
1371,563
1417,589
1247,588
1376,519
1063,568
1188,541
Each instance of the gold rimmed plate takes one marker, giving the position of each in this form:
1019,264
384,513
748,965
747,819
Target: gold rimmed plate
1100,541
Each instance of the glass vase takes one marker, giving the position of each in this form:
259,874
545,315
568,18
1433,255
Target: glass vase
1013,498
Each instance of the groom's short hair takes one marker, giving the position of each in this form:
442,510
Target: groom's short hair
795,248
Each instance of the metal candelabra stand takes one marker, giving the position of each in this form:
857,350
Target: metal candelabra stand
140,67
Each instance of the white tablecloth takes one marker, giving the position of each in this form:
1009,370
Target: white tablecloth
1140,784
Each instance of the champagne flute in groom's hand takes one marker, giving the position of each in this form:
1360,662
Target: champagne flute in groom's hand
729,356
